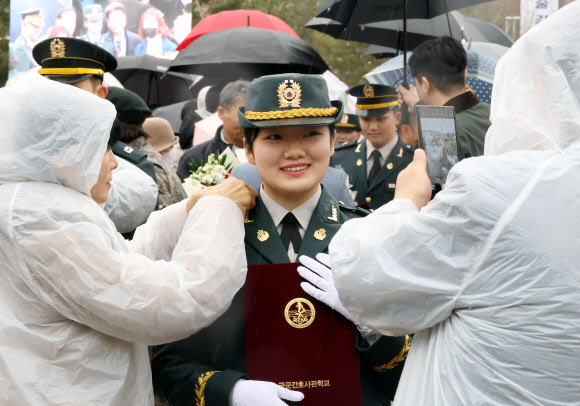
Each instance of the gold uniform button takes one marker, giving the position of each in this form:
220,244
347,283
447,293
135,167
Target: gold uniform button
368,199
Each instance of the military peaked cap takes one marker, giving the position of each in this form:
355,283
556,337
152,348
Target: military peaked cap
72,60
349,121
373,100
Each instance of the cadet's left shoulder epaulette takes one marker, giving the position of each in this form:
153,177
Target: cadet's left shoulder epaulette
355,210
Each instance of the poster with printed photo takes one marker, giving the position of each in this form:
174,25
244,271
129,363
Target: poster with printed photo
122,27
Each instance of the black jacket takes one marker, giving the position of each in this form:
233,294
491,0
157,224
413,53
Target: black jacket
199,154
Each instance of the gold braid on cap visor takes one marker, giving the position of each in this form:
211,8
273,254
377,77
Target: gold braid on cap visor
273,115
70,71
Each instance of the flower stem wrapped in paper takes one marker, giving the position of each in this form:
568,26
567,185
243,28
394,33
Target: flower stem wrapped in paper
217,169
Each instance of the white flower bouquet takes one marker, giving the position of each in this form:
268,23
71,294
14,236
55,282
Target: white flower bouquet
214,172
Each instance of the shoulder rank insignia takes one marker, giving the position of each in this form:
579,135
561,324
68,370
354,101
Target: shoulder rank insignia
263,235
334,214
357,150
289,94
57,48
400,154
128,149
320,234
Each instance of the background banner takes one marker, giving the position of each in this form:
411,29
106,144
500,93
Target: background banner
123,27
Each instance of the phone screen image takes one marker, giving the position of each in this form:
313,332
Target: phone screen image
438,137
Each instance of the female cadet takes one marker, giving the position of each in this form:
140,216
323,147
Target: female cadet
288,122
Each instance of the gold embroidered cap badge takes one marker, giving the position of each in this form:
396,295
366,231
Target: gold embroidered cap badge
57,48
369,91
289,94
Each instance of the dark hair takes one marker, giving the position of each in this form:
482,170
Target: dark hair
115,134
442,61
190,105
251,133
129,132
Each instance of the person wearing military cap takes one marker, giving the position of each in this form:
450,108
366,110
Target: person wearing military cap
288,123
347,130
93,21
374,164
31,24
83,64
132,112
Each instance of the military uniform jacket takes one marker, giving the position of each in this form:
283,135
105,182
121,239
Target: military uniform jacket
352,158
203,368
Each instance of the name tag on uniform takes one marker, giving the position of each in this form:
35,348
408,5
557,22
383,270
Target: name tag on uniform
391,186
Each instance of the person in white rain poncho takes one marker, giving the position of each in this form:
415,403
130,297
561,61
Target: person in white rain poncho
487,275
79,303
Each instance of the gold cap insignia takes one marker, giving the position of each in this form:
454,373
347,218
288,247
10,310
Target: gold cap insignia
299,312
263,235
289,94
320,234
359,162
344,119
369,91
390,166
334,214
57,48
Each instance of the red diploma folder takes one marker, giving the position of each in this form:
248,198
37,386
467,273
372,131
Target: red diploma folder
296,341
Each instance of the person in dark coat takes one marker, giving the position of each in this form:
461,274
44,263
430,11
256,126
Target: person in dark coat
118,40
229,134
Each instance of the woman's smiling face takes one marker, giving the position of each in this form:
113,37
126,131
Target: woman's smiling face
291,160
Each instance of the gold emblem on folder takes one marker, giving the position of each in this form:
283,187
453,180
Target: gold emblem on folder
334,214
320,234
299,312
263,235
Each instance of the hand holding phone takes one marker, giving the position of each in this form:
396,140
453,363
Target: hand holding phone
438,137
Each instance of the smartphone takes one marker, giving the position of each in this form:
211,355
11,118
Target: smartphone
438,138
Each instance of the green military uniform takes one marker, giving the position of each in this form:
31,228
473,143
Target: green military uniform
179,367
372,101
352,158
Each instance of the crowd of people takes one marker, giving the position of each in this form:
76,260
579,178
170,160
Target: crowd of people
122,27
118,288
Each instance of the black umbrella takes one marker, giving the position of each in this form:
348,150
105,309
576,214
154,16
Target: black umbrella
248,52
462,29
353,13
147,76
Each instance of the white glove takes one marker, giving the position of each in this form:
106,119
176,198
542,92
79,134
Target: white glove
321,284
261,393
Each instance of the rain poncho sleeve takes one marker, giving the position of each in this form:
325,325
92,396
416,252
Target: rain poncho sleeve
140,296
132,198
402,259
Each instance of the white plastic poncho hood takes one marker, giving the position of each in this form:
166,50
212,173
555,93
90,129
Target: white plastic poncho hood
487,275
79,303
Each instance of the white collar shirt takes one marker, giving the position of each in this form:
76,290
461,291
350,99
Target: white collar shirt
385,151
303,214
